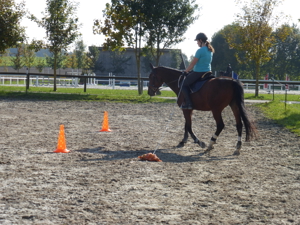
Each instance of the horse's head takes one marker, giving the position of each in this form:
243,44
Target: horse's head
155,81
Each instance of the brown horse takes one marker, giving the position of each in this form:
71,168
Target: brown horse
215,95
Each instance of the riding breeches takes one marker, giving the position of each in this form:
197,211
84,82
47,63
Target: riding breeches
192,77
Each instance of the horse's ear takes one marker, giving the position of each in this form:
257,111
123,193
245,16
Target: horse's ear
151,66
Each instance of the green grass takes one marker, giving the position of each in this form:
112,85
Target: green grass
124,93
275,110
285,115
281,97
111,95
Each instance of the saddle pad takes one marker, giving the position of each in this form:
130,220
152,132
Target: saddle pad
197,85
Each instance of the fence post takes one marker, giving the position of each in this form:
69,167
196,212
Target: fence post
27,80
84,80
285,99
273,87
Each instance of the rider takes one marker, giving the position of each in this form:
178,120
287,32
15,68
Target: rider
200,64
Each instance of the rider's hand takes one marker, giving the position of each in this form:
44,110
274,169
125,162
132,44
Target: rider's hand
184,73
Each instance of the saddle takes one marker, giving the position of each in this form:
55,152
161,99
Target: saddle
197,85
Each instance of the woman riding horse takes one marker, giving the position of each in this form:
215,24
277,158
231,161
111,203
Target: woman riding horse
200,65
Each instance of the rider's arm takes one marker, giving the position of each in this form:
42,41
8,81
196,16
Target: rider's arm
192,64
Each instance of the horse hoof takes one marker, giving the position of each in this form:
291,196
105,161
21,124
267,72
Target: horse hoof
200,143
238,146
237,152
206,152
180,145
210,148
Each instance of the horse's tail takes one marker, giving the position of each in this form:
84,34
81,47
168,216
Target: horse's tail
239,99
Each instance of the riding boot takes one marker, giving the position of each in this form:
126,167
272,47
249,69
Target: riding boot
187,99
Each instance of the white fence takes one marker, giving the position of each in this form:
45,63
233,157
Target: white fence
44,80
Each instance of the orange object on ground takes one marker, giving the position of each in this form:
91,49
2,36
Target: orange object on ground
105,126
150,157
61,145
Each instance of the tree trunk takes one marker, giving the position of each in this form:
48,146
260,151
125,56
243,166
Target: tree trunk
138,62
257,74
55,59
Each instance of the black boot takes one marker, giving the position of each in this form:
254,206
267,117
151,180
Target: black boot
187,99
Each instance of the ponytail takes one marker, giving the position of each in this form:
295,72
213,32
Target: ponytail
209,46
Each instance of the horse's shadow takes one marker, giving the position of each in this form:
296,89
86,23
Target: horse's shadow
164,154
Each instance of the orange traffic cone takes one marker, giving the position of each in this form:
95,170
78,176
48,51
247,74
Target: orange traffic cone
61,145
105,126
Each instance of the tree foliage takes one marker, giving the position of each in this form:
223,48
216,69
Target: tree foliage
80,53
28,56
17,59
11,33
223,55
253,37
57,62
119,62
71,61
40,64
93,56
286,53
161,22
166,22
61,24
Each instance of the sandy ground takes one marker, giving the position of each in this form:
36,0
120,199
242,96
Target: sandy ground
101,181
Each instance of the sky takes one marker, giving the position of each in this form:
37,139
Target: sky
214,15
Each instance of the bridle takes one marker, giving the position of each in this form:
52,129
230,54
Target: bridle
155,88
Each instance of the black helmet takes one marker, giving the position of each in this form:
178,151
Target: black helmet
201,36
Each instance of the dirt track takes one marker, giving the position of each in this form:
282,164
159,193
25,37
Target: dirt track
101,181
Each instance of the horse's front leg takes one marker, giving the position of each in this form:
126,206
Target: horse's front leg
188,130
185,138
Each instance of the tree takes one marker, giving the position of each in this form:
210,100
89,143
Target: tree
28,56
123,25
253,35
80,53
166,21
118,62
40,64
71,61
161,22
93,56
17,60
11,33
61,24
176,59
223,54
286,52
57,62
5,59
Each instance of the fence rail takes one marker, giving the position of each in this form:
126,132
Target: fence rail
34,79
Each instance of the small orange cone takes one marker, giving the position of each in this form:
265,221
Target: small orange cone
61,145
105,126
150,157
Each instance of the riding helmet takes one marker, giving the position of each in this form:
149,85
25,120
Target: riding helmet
201,36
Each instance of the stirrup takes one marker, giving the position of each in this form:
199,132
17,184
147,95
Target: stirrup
187,106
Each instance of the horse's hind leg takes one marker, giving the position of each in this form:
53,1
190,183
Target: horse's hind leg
239,128
220,126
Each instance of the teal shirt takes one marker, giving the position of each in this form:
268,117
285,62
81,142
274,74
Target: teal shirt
204,57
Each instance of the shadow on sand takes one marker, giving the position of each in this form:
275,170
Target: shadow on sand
164,154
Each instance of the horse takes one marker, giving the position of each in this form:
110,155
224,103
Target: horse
214,95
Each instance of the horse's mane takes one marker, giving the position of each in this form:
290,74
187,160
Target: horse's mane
168,68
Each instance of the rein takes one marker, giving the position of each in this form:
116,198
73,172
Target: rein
160,88
169,83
